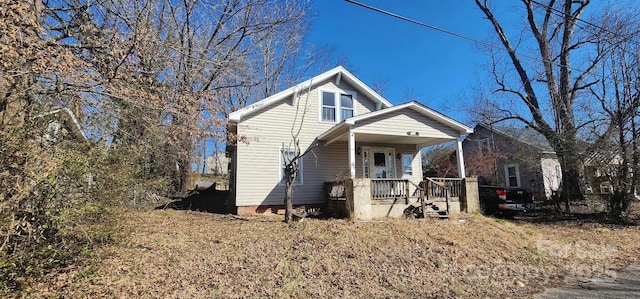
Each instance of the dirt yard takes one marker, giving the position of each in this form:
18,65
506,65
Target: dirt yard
185,254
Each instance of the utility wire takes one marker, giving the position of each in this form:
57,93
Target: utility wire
456,34
561,13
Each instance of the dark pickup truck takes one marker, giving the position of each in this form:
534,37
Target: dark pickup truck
508,201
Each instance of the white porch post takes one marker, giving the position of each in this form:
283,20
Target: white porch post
460,156
352,153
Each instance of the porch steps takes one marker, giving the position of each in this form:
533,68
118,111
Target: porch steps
433,211
440,215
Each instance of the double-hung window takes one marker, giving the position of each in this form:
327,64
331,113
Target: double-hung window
346,106
512,173
285,157
328,106
336,106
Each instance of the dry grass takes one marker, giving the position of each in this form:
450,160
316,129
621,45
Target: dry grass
178,254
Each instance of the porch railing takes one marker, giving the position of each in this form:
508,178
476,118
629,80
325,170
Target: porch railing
389,188
446,188
451,185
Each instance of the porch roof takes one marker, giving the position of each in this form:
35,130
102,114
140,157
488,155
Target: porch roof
408,123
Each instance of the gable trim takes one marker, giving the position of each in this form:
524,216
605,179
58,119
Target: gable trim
343,74
415,106
449,122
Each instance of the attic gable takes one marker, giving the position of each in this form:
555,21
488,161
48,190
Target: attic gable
337,75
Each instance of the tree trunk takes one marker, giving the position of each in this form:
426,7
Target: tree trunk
570,161
288,200
290,176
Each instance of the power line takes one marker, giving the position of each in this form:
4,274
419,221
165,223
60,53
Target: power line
456,34
562,13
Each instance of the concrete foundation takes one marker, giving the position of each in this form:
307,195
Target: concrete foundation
471,200
358,204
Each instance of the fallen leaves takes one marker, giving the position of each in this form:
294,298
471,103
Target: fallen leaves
176,254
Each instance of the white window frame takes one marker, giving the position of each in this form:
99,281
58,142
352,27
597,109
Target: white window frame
370,150
281,168
506,174
404,174
336,112
353,105
336,96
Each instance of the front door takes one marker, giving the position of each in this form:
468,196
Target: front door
378,163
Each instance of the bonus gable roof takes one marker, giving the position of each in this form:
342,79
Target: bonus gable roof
340,72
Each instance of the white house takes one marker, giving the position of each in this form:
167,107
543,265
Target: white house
354,132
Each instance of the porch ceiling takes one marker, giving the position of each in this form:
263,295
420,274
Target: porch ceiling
391,139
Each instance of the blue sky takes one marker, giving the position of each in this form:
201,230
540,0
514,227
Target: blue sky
413,62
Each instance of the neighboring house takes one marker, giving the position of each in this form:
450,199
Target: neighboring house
218,164
57,124
600,168
513,157
355,132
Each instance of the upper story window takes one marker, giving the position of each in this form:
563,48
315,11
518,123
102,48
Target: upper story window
336,105
346,105
328,106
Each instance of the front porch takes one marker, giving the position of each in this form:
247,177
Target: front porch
364,198
384,178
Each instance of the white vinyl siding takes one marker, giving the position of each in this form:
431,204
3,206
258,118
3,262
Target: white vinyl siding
258,167
336,105
397,123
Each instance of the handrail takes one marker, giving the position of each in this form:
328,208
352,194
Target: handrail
451,189
453,186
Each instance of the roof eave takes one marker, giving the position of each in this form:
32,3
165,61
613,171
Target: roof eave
237,115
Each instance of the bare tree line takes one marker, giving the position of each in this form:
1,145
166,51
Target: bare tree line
575,88
148,80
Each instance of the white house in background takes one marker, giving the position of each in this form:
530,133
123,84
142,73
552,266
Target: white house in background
356,133
218,164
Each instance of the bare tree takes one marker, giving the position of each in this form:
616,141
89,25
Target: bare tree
144,79
292,153
547,81
439,160
617,154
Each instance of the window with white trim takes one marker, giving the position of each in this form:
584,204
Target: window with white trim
328,106
336,106
286,156
407,167
346,106
512,174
